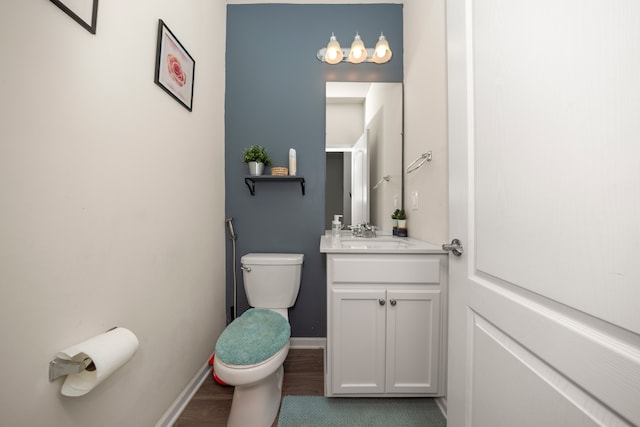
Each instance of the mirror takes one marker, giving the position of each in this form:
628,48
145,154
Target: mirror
363,152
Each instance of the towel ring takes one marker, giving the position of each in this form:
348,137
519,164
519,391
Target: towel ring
386,178
417,163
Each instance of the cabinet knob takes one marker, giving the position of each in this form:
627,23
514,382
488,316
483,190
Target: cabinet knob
381,301
393,302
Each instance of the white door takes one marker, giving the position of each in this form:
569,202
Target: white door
544,131
360,180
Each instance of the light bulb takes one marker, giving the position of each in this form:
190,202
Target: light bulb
357,54
382,51
334,53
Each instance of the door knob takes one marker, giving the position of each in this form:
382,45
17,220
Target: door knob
381,301
393,302
455,247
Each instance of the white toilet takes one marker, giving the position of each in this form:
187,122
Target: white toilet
251,350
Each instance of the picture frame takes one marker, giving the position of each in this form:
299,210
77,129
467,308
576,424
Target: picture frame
84,12
175,68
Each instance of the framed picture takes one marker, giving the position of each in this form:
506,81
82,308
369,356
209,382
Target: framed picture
174,67
84,12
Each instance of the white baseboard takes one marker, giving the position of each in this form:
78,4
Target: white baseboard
442,404
173,413
308,343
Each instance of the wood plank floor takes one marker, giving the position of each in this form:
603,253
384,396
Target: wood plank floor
210,406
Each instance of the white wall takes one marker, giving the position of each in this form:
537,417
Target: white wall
384,119
344,124
426,117
111,206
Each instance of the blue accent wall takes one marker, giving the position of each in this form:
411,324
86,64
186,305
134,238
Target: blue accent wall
275,97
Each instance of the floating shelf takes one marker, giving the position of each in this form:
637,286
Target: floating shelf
251,180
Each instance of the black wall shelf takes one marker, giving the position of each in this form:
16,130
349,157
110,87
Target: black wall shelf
251,180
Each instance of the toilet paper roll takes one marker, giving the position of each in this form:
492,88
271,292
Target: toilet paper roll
106,353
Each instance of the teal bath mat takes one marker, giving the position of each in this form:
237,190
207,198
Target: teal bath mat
316,411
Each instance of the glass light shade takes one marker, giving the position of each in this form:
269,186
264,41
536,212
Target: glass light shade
334,53
358,52
382,52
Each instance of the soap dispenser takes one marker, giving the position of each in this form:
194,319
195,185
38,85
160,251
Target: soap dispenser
336,226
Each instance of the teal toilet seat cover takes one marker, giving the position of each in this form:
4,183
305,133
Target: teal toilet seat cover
253,337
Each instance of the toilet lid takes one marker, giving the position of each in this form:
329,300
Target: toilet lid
253,337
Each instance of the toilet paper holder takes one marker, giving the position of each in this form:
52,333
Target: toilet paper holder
61,367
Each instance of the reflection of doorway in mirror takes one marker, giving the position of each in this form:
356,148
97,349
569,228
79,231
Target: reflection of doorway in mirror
344,127
347,183
338,187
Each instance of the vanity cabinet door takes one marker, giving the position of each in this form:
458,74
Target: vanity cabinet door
357,344
413,340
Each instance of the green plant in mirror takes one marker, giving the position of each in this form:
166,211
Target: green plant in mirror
256,153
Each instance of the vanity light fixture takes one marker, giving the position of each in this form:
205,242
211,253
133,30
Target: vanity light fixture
358,53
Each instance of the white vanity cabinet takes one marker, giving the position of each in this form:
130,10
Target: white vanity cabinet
385,324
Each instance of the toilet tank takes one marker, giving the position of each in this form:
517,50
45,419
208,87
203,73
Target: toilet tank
271,280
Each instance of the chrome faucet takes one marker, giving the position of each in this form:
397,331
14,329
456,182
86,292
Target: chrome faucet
363,230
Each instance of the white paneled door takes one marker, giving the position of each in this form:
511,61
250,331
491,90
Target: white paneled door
544,135
360,180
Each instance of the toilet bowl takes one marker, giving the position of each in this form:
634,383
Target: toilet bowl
250,352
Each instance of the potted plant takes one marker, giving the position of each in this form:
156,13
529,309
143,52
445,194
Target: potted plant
402,223
256,157
394,221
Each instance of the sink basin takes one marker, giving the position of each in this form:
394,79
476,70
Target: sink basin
374,243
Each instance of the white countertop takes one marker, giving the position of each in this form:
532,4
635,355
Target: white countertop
384,244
